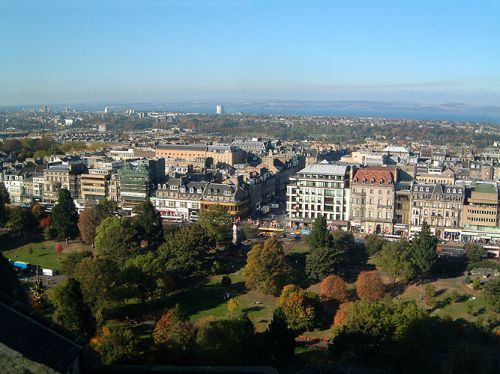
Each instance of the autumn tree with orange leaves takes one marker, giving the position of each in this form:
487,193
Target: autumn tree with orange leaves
369,286
297,308
341,314
333,287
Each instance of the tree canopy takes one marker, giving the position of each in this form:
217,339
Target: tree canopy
266,269
149,224
65,216
216,221
117,239
395,260
298,310
423,251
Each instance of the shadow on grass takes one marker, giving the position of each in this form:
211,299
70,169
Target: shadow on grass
9,241
252,309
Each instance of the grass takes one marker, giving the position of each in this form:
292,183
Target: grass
43,253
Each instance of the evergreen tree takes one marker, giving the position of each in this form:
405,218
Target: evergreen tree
4,194
71,311
65,216
149,224
320,235
280,339
3,211
423,251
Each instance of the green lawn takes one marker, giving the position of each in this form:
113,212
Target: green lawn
43,253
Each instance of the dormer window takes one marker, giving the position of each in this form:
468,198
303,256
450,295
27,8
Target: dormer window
381,181
228,193
191,190
199,190
174,188
372,180
182,189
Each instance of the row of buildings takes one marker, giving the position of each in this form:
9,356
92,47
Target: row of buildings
388,200
179,179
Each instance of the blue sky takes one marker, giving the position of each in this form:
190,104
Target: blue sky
428,51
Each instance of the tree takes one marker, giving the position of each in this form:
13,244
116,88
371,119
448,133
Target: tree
373,332
369,286
429,294
21,221
423,251
266,269
341,314
279,338
4,194
175,334
374,244
149,224
99,278
87,224
333,287
116,238
298,310
71,311
115,344
9,282
233,306
395,260
38,211
3,211
492,294
65,216
474,252
146,278
320,235
70,262
228,341
322,261
216,221
106,208
186,250
225,281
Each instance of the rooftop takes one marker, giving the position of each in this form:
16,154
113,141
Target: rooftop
324,168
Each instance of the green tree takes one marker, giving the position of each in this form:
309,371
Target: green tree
423,251
374,244
116,238
71,311
65,216
492,294
216,221
228,341
474,252
3,210
70,262
298,310
323,261
21,221
149,224
280,339
266,269
395,260
320,235
186,250
106,208
99,279
4,194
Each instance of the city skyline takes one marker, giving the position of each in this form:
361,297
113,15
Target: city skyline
110,51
